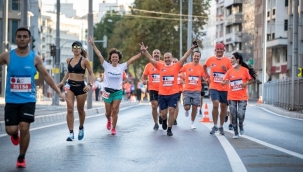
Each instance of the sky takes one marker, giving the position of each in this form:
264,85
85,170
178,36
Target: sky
80,4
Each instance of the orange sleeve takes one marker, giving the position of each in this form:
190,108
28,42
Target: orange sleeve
124,75
145,72
226,75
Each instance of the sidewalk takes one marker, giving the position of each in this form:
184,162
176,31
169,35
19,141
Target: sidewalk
281,111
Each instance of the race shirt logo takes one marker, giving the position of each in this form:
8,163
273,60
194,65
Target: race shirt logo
168,81
193,80
218,76
155,78
236,85
21,84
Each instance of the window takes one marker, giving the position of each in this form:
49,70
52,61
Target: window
268,37
240,28
285,25
274,12
273,36
14,27
15,5
286,3
267,13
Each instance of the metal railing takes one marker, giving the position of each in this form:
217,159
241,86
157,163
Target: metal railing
278,93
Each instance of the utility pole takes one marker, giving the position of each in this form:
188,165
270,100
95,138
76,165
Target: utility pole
55,100
294,54
24,15
189,26
4,43
264,50
90,32
181,54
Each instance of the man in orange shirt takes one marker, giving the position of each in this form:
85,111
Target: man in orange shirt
238,77
192,89
168,88
151,76
180,85
218,64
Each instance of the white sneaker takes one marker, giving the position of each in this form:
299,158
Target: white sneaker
186,113
192,126
235,136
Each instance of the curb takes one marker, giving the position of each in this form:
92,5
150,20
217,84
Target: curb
62,115
281,111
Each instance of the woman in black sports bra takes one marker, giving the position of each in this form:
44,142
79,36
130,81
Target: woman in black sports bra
76,87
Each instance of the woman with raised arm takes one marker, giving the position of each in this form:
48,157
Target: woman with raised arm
238,77
112,94
76,87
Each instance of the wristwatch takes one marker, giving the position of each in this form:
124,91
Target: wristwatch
89,84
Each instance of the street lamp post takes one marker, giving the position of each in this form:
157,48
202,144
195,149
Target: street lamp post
90,32
180,29
264,51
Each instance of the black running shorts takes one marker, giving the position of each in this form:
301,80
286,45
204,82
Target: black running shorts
16,113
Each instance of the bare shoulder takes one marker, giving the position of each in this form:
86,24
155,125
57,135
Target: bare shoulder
4,58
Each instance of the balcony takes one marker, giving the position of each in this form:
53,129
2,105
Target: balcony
234,19
233,37
276,42
228,3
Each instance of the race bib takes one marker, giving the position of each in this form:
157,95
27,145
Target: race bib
168,81
193,80
105,94
236,85
21,84
155,78
218,77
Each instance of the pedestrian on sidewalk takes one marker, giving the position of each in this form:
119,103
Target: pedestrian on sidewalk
238,77
113,79
218,64
20,94
76,87
98,88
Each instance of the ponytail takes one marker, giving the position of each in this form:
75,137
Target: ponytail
83,53
251,71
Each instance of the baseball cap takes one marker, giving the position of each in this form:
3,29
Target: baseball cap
220,45
78,43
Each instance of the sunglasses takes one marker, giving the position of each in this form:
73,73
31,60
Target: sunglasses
77,47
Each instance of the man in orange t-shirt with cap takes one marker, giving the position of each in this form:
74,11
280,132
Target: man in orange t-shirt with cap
168,86
151,76
218,64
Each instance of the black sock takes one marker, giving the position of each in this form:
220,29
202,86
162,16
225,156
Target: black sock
21,157
15,136
169,129
71,131
81,127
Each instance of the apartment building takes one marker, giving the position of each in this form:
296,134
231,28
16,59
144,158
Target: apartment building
229,25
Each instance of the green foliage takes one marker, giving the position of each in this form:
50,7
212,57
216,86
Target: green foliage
152,22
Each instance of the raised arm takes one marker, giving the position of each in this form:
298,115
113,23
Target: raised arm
147,55
98,53
131,60
186,55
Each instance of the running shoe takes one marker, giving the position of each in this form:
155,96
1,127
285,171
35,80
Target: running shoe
175,122
70,137
169,133
186,113
242,131
81,134
15,139
164,124
156,127
192,126
113,131
221,130
160,120
213,130
20,163
108,124
236,135
230,127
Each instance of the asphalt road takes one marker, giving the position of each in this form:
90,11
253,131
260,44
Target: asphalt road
271,143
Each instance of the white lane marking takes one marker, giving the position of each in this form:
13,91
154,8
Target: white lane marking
272,146
60,123
279,114
234,159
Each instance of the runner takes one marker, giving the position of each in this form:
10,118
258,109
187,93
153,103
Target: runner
113,79
201,98
238,78
218,65
76,87
180,86
20,94
192,89
151,77
168,87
